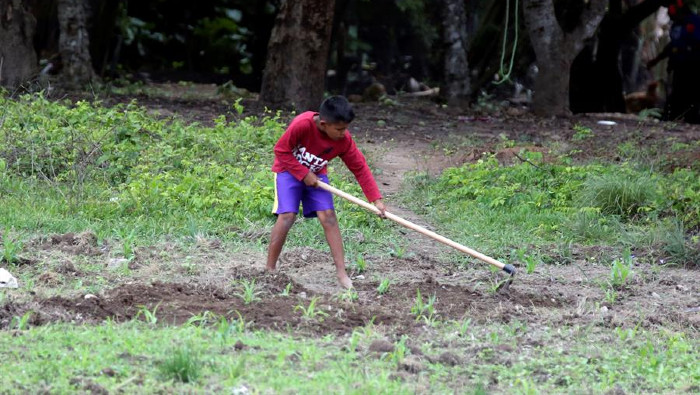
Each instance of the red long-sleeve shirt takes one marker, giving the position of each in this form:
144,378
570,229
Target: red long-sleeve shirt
303,148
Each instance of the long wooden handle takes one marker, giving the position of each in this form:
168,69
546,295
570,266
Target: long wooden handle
476,254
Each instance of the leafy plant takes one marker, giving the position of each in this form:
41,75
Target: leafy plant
383,286
311,311
610,295
529,260
582,133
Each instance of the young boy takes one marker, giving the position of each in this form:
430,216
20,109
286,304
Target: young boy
301,155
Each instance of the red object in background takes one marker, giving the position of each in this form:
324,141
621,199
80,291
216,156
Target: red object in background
672,10
690,28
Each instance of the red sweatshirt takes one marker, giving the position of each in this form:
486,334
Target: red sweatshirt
303,148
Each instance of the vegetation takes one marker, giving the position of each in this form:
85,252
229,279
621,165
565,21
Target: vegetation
129,175
543,202
140,180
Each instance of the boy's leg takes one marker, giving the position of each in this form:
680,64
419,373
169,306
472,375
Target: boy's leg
288,192
332,230
278,237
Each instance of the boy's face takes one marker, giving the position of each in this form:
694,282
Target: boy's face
335,130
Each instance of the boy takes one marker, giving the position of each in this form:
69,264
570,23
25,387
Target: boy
301,156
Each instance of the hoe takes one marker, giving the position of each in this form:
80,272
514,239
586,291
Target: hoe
484,258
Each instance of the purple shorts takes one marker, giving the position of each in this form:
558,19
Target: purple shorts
289,192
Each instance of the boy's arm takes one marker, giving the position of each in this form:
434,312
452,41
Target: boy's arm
284,152
357,164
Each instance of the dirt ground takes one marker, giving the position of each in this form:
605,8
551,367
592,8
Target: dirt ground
414,135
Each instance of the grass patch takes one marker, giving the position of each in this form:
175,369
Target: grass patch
497,208
131,176
137,357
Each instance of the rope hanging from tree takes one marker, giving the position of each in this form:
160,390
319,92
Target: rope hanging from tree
504,75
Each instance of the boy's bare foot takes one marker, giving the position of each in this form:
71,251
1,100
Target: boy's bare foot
344,281
269,269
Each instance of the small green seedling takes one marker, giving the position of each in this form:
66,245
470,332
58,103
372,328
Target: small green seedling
610,296
287,290
424,310
248,291
621,269
21,323
349,295
149,316
311,311
202,319
464,326
398,251
360,264
384,286
400,350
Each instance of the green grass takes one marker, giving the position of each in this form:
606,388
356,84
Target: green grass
497,209
193,358
127,175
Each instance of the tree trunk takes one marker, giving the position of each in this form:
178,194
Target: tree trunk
455,87
74,44
555,50
597,81
17,56
297,55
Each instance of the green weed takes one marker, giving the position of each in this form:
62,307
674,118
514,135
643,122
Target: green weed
398,251
582,133
360,264
21,323
349,295
311,311
424,310
621,269
287,290
11,249
247,291
202,319
464,326
149,316
400,351
383,287
183,365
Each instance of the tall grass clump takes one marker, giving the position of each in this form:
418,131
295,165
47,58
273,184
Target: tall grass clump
624,194
182,365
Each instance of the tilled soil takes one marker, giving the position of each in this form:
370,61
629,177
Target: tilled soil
553,295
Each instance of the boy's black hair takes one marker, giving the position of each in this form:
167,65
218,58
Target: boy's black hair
336,109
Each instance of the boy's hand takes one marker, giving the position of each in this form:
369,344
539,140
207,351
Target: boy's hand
310,179
380,205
